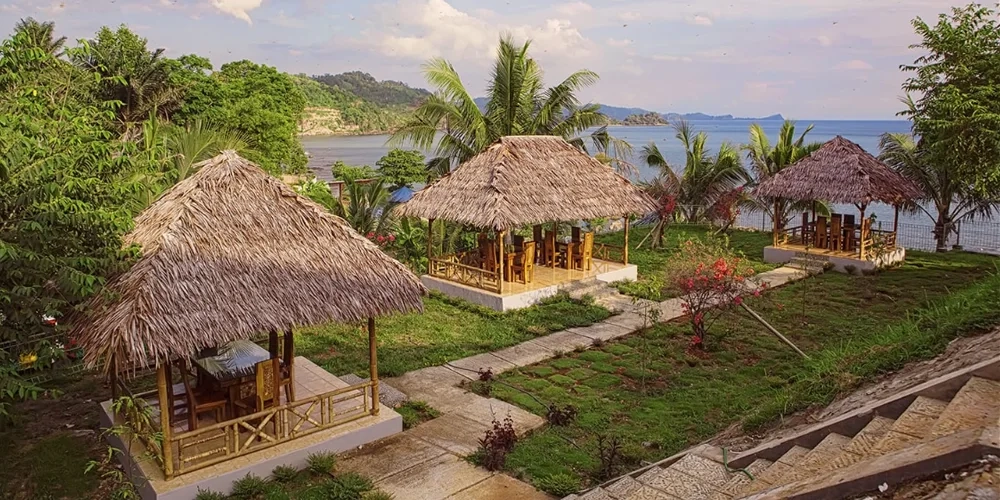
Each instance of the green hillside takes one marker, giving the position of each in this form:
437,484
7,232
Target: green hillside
384,93
333,110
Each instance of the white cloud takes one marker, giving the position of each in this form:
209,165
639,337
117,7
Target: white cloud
629,16
700,20
853,65
240,9
286,21
619,43
824,41
574,8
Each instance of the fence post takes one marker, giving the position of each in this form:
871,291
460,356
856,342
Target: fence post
958,233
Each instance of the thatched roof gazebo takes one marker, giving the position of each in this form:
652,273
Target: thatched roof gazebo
841,171
528,180
231,253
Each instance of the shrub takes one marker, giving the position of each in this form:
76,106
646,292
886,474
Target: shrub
352,481
415,413
284,473
497,443
561,415
248,488
209,495
322,463
559,484
376,495
710,279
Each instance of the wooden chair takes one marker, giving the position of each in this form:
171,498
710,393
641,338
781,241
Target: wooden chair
850,238
836,232
550,249
821,236
288,367
805,229
201,401
524,264
518,243
266,389
583,255
576,234
536,233
488,255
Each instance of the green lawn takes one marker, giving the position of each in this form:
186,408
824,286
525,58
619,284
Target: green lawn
448,329
658,398
651,262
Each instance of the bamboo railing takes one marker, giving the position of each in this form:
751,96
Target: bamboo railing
610,253
210,445
458,268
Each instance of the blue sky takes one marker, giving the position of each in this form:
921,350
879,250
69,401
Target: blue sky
807,59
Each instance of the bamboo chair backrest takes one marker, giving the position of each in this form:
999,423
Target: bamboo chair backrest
588,246
528,261
550,246
268,383
835,227
518,242
821,231
576,234
536,233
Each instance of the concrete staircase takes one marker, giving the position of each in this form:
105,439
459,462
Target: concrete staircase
812,264
604,294
942,424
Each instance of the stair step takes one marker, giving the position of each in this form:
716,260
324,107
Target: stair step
818,459
707,471
676,484
862,442
739,479
975,405
765,479
647,493
912,426
623,488
595,494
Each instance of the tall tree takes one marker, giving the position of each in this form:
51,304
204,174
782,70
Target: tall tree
130,74
454,125
767,160
956,84
401,167
40,35
704,178
952,196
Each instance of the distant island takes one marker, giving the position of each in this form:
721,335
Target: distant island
644,117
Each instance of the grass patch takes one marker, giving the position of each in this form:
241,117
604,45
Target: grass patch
449,329
415,413
651,262
658,399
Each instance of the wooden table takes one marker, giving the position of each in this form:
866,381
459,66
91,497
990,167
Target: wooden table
233,365
566,251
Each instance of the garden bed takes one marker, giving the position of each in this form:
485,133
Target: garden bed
657,397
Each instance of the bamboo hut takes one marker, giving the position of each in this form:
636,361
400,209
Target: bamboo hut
523,181
840,172
226,255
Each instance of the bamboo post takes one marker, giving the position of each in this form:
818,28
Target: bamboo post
895,220
114,378
555,234
430,241
165,414
865,228
772,329
373,364
625,251
500,237
774,223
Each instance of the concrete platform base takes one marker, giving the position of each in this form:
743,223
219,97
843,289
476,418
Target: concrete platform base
840,260
522,297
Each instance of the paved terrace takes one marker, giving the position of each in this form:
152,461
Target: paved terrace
428,462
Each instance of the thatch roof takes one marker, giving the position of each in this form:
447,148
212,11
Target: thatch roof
230,253
840,172
523,180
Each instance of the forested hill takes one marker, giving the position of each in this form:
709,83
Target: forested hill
384,93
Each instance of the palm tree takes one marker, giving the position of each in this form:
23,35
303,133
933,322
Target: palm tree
705,178
40,35
197,142
453,124
767,160
368,209
952,200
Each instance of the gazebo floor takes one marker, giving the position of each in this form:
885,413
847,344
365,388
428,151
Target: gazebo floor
310,380
841,260
547,281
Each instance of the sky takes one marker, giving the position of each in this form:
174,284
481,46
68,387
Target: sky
806,59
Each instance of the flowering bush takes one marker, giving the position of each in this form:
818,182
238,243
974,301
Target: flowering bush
726,209
382,240
710,278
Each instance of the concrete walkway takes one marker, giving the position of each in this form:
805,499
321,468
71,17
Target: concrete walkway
428,461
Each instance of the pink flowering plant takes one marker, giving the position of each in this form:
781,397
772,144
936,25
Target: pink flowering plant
710,278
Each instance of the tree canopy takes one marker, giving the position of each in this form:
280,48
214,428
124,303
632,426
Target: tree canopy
954,94
401,167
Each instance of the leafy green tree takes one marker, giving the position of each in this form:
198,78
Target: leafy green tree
402,168
767,160
65,193
451,123
351,173
130,74
256,101
704,179
318,191
40,35
956,84
952,196
199,141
